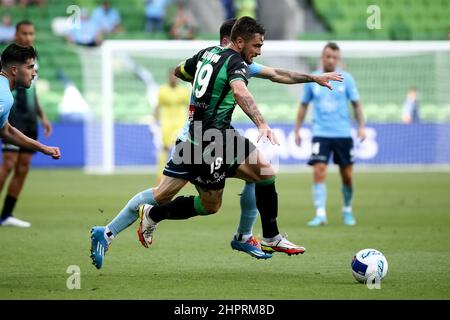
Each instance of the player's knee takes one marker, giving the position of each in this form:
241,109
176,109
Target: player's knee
267,172
319,173
8,165
211,208
264,175
347,181
22,169
319,177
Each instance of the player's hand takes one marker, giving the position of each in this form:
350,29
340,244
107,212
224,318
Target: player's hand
54,152
266,132
298,138
47,127
325,78
361,134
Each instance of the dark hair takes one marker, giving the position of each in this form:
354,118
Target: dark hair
332,46
17,54
225,28
23,23
246,28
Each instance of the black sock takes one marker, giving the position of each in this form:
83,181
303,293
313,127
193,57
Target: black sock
267,204
8,207
179,209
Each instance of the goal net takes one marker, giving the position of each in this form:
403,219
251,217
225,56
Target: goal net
121,81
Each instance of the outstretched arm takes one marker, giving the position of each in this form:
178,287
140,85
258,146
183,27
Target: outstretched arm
292,77
245,100
11,134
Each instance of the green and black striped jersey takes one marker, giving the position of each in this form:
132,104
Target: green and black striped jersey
212,102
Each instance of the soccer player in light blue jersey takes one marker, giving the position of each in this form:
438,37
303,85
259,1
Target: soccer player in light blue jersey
331,126
18,70
102,236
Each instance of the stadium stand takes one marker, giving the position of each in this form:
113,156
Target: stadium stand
56,55
424,20
400,19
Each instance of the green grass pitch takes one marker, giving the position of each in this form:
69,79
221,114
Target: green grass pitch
404,215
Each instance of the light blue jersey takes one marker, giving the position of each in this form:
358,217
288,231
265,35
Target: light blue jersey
331,116
254,69
107,20
6,100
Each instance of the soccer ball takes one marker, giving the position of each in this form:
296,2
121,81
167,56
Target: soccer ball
369,265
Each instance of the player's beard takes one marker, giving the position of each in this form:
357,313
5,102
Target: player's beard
249,60
22,83
246,57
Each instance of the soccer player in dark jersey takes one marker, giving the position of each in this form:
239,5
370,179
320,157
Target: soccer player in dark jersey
212,150
24,116
243,240
102,236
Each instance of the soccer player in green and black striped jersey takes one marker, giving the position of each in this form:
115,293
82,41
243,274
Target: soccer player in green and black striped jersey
202,153
102,236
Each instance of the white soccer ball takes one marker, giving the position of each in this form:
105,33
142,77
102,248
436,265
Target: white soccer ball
369,265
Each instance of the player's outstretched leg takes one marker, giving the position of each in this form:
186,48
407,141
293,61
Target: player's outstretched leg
101,237
99,245
179,209
129,214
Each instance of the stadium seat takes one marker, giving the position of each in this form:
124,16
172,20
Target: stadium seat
419,19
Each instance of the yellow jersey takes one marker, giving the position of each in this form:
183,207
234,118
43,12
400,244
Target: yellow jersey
173,110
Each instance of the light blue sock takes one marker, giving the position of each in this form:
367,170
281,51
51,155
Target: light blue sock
249,212
319,195
128,214
347,192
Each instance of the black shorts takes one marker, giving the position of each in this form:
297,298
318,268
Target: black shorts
341,148
209,164
28,129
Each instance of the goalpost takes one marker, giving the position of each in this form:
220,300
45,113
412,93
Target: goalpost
121,82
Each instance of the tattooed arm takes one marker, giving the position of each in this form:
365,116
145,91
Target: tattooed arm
291,77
